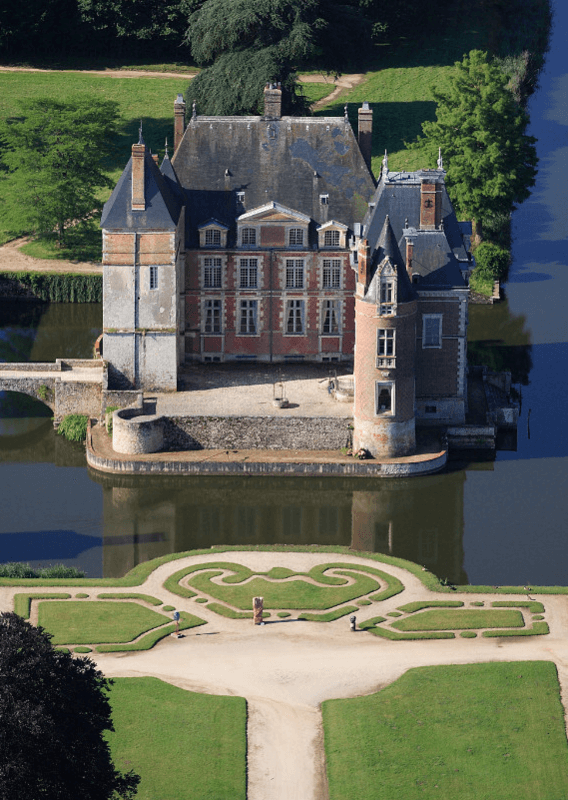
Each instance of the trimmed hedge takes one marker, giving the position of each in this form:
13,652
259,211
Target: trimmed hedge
54,287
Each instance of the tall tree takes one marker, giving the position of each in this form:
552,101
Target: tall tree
53,163
491,161
54,712
245,43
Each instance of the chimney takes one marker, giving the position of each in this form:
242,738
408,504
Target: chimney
138,194
273,101
364,263
409,257
365,133
179,120
155,158
430,204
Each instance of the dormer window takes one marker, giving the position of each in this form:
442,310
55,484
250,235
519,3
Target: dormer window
324,199
387,290
331,238
241,198
212,237
295,237
248,236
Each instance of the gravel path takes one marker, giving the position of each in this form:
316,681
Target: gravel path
286,668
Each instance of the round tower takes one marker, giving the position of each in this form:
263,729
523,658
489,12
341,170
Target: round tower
385,348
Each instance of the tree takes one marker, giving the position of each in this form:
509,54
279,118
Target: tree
247,43
53,159
54,711
491,162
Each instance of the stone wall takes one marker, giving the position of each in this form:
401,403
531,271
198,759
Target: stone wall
135,432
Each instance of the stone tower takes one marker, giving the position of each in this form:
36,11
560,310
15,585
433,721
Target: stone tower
385,351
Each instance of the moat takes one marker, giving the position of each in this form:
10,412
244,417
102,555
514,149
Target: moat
496,522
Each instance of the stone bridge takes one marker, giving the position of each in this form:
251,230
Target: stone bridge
68,386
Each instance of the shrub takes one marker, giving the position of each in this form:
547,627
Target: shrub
492,261
15,569
74,427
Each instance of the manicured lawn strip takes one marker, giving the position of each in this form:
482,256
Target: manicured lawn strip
538,629
532,605
147,598
468,634
147,642
330,616
173,586
23,602
369,623
225,611
82,594
466,619
90,622
82,649
388,633
364,603
473,731
182,744
409,608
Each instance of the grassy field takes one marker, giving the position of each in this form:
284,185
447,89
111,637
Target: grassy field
466,732
458,619
182,744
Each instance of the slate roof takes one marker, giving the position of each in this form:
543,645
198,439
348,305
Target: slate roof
163,201
439,256
291,161
387,247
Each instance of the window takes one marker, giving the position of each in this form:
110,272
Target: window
331,277
324,199
432,330
248,236
295,316
212,273
212,237
295,236
248,316
248,273
331,238
331,316
212,316
240,197
387,297
153,277
294,273
384,398
385,347
386,291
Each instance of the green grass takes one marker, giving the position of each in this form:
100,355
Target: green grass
230,613
465,732
148,641
468,634
283,614
538,629
23,602
330,616
81,594
147,598
88,622
238,588
182,744
467,619
82,243
417,605
481,284
82,649
531,605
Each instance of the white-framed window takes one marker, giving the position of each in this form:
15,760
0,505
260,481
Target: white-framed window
387,296
212,316
248,317
295,237
385,347
212,273
432,331
324,199
248,236
153,277
212,237
331,316
331,238
331,273
294,273
384,397
248,273
295,316
240,197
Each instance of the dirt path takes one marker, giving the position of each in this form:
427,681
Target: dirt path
287,668
13,260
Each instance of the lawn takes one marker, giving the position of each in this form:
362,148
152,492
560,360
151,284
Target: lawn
464,732
87,622
182,744
458,619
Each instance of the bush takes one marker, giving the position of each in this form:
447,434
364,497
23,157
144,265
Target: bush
16,569
492,261
53,287
74,427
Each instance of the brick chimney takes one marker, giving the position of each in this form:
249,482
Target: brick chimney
138,193
430,204
365,132
179,120
409,257
364,263
273,101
